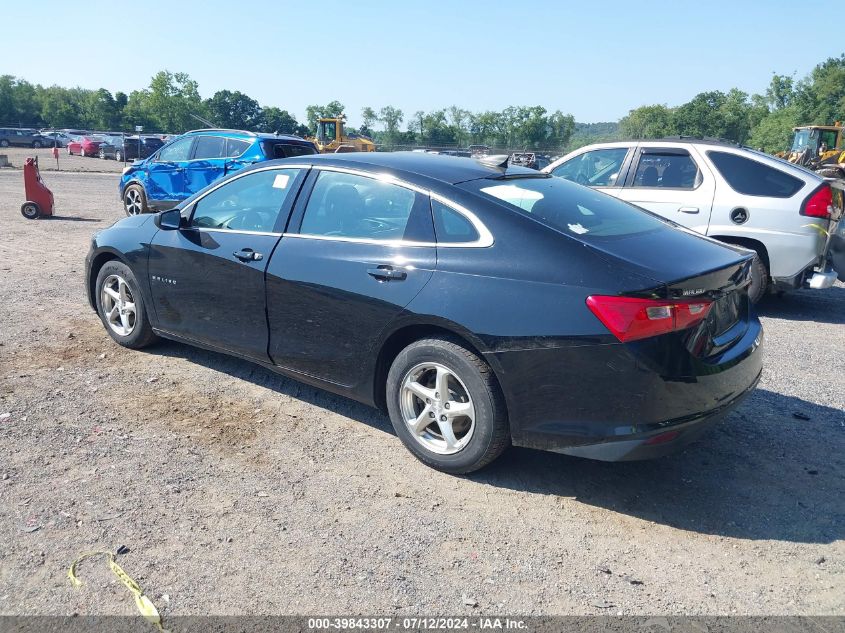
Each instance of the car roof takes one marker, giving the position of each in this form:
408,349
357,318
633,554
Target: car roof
447,169
242,133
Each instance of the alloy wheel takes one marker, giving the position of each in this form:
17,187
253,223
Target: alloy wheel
132,202
118,305
437,408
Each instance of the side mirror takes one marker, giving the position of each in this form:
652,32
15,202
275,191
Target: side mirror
169,220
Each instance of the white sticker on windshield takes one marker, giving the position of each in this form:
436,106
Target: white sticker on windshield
281,181
577,228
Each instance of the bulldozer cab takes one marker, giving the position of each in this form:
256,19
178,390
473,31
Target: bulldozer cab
329,130
817,139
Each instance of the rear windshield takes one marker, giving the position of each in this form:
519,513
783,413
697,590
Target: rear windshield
286,150
572,209
751,178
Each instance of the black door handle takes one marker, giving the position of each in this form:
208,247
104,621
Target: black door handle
248,255
387,273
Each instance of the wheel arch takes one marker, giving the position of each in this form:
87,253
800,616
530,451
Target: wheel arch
746,242
407,333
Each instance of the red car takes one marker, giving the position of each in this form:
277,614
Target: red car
84,146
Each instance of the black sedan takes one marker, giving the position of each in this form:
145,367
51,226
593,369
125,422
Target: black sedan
478,304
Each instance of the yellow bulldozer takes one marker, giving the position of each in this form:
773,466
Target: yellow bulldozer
820,148
331,137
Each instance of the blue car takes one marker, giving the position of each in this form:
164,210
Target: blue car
192,161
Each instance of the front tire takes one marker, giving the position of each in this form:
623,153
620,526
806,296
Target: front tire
36,144
4,143
121,306
135,200
446,406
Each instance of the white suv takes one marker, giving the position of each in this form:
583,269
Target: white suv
730,193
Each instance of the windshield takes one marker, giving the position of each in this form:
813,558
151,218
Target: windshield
574,210
802,140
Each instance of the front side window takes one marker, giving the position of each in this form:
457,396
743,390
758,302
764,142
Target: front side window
596,168
249,203
576,211
176,152
209,147
666,170
751,178
350,206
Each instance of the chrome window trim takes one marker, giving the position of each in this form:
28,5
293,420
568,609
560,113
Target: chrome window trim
484,240
240,231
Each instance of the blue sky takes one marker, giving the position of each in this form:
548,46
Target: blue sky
596,60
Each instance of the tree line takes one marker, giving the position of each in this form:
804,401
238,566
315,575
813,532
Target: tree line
171,103
762,121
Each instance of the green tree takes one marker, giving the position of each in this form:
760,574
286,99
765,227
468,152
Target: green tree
172,99
234,110
647,122
774,132
391,118
314,113
368,118
281,122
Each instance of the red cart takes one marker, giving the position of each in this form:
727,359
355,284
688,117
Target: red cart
39,199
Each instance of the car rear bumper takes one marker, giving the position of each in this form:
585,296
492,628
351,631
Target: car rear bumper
615,401
674,435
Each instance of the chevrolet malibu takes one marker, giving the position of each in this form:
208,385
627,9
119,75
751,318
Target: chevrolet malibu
479,304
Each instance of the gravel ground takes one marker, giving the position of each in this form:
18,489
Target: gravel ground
46,162
239,491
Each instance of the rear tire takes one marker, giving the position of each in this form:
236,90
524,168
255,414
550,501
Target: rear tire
36,144
118,156
82,152
447,438
30,211
135,200
4,143
102,154
117,290
759,279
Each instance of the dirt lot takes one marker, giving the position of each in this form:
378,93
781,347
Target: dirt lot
46,162
239,491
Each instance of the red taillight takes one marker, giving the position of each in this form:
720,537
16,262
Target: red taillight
631,319
819,204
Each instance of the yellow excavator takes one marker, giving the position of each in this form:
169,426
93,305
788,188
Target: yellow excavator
820,148
331,137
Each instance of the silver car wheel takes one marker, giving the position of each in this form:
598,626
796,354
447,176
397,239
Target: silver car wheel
132,201
437,408
118,305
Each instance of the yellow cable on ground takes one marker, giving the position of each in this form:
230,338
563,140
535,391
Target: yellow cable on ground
144,604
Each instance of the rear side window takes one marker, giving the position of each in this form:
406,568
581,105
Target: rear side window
350,206
235,147
450,226
576,211
751,178
286,150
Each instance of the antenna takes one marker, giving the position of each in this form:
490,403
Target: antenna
203,121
